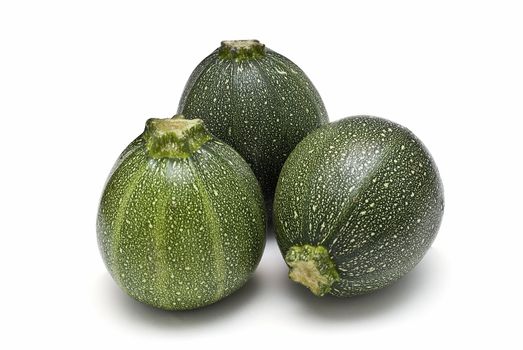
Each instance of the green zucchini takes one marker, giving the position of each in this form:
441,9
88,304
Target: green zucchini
181,222
257,101
357,205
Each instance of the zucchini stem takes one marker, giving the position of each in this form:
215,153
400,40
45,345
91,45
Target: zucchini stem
241,50
313,267
174,138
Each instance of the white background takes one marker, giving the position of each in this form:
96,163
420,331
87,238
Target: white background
79,79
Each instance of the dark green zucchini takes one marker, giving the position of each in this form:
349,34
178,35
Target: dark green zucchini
358,203
257,101
181,222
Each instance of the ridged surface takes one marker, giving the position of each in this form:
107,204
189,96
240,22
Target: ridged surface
367,190
262,107
181,233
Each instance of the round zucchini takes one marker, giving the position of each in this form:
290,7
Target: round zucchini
181,222
257,101
358,204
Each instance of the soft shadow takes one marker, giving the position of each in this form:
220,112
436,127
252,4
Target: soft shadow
425,278
158,318
270,233
269,229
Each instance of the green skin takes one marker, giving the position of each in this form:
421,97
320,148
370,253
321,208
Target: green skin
357,205
181,222
257,101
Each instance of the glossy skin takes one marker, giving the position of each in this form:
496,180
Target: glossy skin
181,233
262,105
367,190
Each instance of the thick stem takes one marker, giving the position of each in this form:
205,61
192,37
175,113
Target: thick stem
241,50
313,267
174,138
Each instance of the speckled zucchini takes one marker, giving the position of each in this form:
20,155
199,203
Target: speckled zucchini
181,222
257,101
358,203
